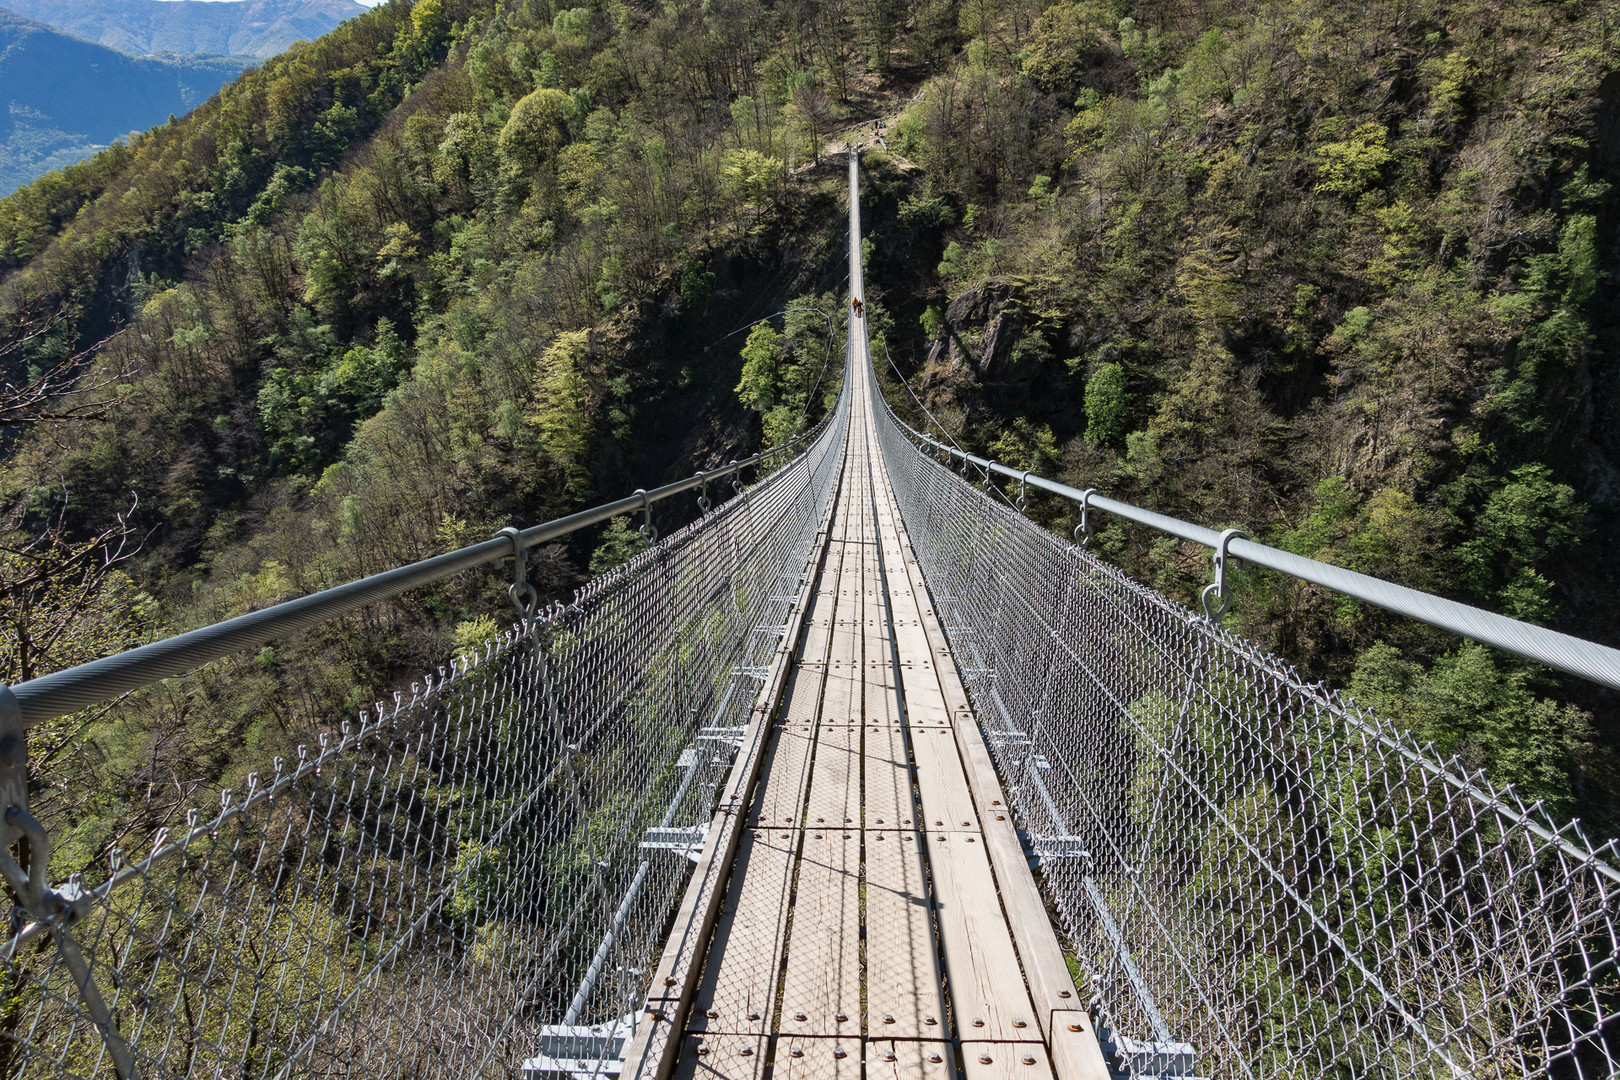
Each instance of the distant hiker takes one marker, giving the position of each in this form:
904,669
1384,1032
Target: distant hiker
855,302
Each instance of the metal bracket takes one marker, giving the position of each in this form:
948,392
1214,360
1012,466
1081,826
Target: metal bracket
1023,492
524,596
1082,531
1217,607
703,492
59,908
13,765
685,841
646,528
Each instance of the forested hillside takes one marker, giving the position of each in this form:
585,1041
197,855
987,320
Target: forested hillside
1333,274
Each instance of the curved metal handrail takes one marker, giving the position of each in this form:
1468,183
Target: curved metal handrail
87,684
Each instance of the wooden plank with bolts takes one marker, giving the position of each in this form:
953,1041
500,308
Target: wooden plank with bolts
821,988
818,1059
941,784
1005,1061
988,995
787,770
888,801
1076,1054
902,965
738,986
835,782
721,1057
910,1060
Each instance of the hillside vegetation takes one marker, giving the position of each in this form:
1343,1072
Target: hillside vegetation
66,98
1332,274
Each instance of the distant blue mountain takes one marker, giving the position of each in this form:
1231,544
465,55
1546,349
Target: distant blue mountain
62,98
259,28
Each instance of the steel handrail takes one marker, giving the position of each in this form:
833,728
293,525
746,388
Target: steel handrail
1572,655
91,683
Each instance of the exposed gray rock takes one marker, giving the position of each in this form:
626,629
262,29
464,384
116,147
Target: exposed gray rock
998,342
977,304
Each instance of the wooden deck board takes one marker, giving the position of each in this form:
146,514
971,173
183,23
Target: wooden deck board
822,983
986,982
888,802
835,782
739,982
721,1057
911,1061
941,783
1005,1061
902,963
818,1059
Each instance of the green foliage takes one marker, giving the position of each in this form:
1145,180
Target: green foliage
697,283
750,174
1026,446
1348,166
932,321
781,370
1473,706
1524,525
471,636
572,27
926,210
537,128
560,411
1108,405
761,382
620,543
1065,41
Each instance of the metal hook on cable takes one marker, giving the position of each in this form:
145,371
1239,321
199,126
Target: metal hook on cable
646,528
524,596
1082,531
1222,598
703,492
1023,492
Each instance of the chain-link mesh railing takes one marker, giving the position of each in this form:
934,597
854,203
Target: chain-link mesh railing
1260,878
475,874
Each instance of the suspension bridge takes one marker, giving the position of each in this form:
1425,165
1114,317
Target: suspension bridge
859,774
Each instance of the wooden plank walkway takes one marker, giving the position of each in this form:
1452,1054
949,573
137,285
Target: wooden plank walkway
879,919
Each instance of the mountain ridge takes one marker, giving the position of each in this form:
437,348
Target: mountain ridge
256,28
50,121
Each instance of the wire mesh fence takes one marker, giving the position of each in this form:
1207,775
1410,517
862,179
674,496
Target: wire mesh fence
469,880
1259,878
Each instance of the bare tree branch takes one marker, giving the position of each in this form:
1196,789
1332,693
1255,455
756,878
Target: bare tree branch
73,389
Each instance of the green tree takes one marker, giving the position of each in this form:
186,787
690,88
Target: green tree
1486,711
537,129
1108,405
761,384
561,411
